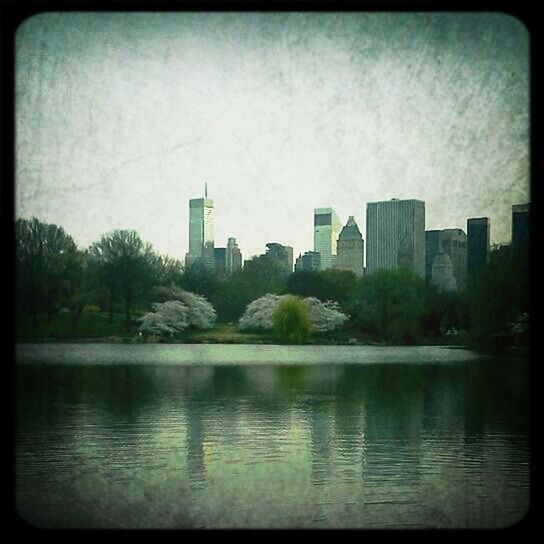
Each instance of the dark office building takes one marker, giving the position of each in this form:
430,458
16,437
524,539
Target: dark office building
282,254
453,242
220,254
432,247
520,226
478,244
310,261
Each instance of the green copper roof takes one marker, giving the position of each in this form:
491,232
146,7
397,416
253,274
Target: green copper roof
351,230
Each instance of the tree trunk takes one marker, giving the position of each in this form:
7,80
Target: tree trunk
128,307
110,310
34,320
76,316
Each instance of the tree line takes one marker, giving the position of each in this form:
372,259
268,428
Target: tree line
120,273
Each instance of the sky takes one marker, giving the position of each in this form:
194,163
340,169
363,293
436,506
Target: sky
122,117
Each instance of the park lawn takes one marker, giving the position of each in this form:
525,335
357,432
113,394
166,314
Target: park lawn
91,325
222,333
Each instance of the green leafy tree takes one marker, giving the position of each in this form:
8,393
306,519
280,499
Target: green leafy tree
125,266
325,285
498,294
43,253
389,304
292,320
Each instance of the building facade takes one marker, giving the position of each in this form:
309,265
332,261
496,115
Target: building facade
432,247
326,231
282,254
520,226
395,235
233,257
350,248
453,242
201,235
310,262
442,276
478,243
220,254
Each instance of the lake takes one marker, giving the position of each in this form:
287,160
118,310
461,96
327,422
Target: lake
211,436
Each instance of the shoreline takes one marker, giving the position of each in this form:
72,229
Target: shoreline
232,354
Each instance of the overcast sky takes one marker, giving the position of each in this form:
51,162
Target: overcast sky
121,118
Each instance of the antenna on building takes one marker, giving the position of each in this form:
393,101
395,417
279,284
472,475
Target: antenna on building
206,189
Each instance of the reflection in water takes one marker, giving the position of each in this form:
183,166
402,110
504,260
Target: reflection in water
264,446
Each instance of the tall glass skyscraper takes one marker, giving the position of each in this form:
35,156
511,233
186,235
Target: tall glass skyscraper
327,228
395,235
478,242
201,240
520,226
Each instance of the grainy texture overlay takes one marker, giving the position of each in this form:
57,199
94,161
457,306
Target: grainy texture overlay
122,117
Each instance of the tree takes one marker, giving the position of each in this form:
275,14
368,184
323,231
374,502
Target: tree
325,316
259,314
291,320
200,313
325,285
167,317
498,294
42,254
126,267
390,303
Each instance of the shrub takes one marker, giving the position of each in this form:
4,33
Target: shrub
91,308
291,320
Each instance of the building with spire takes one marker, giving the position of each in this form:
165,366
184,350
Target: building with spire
350,248
201,233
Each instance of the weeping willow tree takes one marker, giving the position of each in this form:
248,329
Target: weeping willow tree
292,321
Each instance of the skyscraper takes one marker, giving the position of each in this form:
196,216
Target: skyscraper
310,261
453,242
395,235
350,248
326,231
520,226
432,247
478,245
282,254
233,258
201,240
442,276
220,254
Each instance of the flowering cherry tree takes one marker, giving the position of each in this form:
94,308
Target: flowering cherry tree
200,313
167,318
324,316
259,313
183,310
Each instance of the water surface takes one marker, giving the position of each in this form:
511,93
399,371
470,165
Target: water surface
329,445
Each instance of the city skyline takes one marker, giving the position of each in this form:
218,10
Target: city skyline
122,118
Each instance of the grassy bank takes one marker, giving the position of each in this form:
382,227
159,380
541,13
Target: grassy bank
96,327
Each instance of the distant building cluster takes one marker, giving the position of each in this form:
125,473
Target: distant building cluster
395,238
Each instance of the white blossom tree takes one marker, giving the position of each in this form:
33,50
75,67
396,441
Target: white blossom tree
259,313
200,313
167,318
325,316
